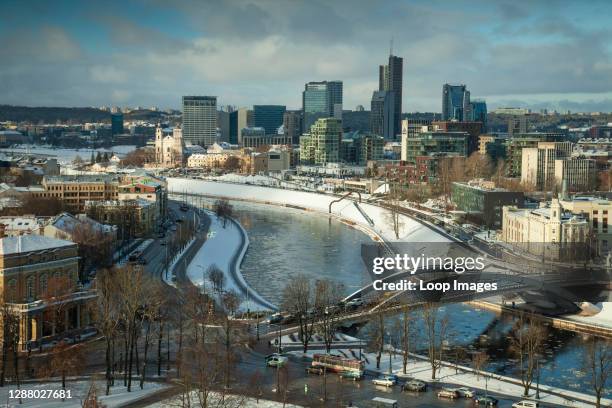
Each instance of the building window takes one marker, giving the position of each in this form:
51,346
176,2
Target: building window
30,289
44,284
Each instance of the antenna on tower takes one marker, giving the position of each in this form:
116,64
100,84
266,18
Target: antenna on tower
391,46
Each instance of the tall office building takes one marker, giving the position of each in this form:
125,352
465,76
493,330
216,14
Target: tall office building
200,120
269,117
456,103
292,125
390,79
382,114
223,125
321,100
116,123
479,113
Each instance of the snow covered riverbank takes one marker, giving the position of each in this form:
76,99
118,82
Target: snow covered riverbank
225,247
409,230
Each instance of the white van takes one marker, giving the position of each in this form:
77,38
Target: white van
526,404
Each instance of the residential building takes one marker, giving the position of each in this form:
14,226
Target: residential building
133,218
547,232
11,137
382,114
493,146
268,117
435,144
200,120
390,79
456,103
321,100
474,129
322,144
538,163
169,147
518,125
21,225
74,191
516,144
65,226
577,173
33,268
512,111
480,199
148,189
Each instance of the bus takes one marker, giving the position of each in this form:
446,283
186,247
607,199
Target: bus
338,364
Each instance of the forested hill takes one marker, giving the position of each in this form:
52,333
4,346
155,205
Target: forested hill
37,115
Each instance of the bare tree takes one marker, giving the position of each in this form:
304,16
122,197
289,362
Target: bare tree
377,339
66,360
327,296
216,277
526,343
598,365
106,316
224,210
435,334
394,216
479,360
298,299
229,336
405,338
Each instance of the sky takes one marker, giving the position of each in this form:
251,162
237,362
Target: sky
553,54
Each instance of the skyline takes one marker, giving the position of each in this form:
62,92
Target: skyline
554,55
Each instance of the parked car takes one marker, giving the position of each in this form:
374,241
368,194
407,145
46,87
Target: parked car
447,393
386,380
276,361
485,400
351,374
353,304
465,392
526,404
415,386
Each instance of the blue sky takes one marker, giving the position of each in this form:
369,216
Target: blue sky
554,53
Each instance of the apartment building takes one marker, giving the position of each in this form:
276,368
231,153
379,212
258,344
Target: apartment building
74,191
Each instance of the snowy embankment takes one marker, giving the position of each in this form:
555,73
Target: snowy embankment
78,392
463,377
215,399
225,248
346,210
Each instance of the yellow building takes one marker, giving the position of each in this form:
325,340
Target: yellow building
543,231
39,282
597,212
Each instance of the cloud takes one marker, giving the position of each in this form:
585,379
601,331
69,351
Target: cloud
263,51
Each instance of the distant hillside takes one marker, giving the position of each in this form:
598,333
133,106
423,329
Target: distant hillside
37,115
51,114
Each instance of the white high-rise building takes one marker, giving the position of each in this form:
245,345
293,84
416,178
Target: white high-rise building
200,120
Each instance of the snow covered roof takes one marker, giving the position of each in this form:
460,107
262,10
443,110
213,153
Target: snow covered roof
30,243
68,222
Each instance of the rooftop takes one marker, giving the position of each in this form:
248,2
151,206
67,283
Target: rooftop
30,243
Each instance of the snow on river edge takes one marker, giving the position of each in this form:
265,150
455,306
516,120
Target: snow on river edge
410,230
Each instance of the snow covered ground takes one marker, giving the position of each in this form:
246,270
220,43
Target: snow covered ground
66,156
420,369
79,390
223,244
601,314
410,230
230,401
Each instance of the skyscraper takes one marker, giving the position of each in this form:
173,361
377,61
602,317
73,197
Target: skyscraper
269,117
116,123
456,103
292,125
390,79
382,114
322,144
321,100
200,120
479,113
